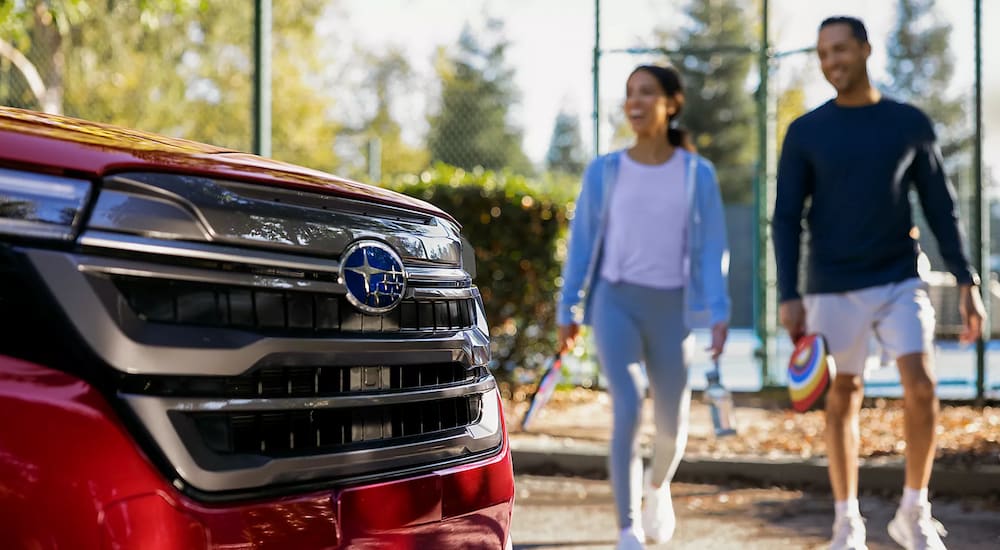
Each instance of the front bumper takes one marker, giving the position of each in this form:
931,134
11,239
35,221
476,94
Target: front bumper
465,507
74,478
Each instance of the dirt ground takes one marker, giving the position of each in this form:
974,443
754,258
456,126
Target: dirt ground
967,435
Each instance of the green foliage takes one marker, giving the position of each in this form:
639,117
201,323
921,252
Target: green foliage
389,76
718,110
791,105
471,126
517,227
179,67
921,67
566,152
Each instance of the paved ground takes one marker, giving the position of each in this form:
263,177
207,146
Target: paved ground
559,513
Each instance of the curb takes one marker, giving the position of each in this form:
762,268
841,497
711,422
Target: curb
874,474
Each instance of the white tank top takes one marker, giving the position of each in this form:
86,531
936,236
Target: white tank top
647,224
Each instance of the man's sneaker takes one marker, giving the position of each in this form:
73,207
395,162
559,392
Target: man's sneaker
913,528
848,534
658,520
630,539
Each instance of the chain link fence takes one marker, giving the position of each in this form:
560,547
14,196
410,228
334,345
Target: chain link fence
379,97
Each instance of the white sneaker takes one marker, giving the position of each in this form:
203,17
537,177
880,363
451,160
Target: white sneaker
658,520
913,528
630,539
849,534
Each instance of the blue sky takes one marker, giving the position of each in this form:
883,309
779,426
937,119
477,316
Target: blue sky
552,43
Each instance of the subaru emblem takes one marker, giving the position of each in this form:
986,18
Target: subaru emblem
374,277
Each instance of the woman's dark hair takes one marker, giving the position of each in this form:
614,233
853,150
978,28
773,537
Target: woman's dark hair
670,81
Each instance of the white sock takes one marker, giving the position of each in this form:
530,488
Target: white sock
913,497
847,508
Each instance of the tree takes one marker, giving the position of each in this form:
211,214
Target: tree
921,67
390,76
471,126
184,70
791,105
718,109
34,40
566,153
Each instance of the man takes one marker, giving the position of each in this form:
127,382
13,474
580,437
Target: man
855,158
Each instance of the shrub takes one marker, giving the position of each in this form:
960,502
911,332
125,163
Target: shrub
517,227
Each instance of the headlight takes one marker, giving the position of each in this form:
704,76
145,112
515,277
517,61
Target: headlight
441,244
468,258
40,205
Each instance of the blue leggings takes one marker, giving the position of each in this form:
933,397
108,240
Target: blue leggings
636,326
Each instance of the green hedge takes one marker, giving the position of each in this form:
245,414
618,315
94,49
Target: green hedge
518,228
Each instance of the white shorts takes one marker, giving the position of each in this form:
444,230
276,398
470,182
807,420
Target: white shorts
899,316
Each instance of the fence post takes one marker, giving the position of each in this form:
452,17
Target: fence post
981,215
764,303
262,78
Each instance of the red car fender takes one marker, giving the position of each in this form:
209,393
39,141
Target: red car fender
62,458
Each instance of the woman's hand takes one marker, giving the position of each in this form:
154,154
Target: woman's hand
719,333
567,336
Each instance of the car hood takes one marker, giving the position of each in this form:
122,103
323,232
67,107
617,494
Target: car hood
70,146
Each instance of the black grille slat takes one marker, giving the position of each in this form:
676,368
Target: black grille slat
454,318
270,309
301,381
408,314
281,382
281,433
300,310
271,382
241,308
327,313
155,301
296,312
441,316
425,315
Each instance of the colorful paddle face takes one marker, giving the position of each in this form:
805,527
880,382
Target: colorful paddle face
810,370
546,386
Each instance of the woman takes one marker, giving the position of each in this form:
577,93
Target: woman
647,262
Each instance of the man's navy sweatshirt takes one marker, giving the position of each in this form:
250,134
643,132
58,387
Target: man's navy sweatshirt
850,169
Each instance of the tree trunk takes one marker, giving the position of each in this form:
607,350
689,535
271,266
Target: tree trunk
46,47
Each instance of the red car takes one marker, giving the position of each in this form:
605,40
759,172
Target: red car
201,348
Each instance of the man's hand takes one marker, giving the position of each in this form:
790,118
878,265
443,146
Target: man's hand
970,305
792,316
567,336
719,333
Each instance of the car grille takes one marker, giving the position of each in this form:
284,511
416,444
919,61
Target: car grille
188,303
293,433
277,382
244,361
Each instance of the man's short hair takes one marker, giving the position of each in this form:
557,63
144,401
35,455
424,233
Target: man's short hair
857,27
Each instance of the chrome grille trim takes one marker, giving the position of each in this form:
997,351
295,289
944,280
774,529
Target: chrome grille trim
335,402
135,268
128,346
140,269
201,251
484,437
115,242
266,217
